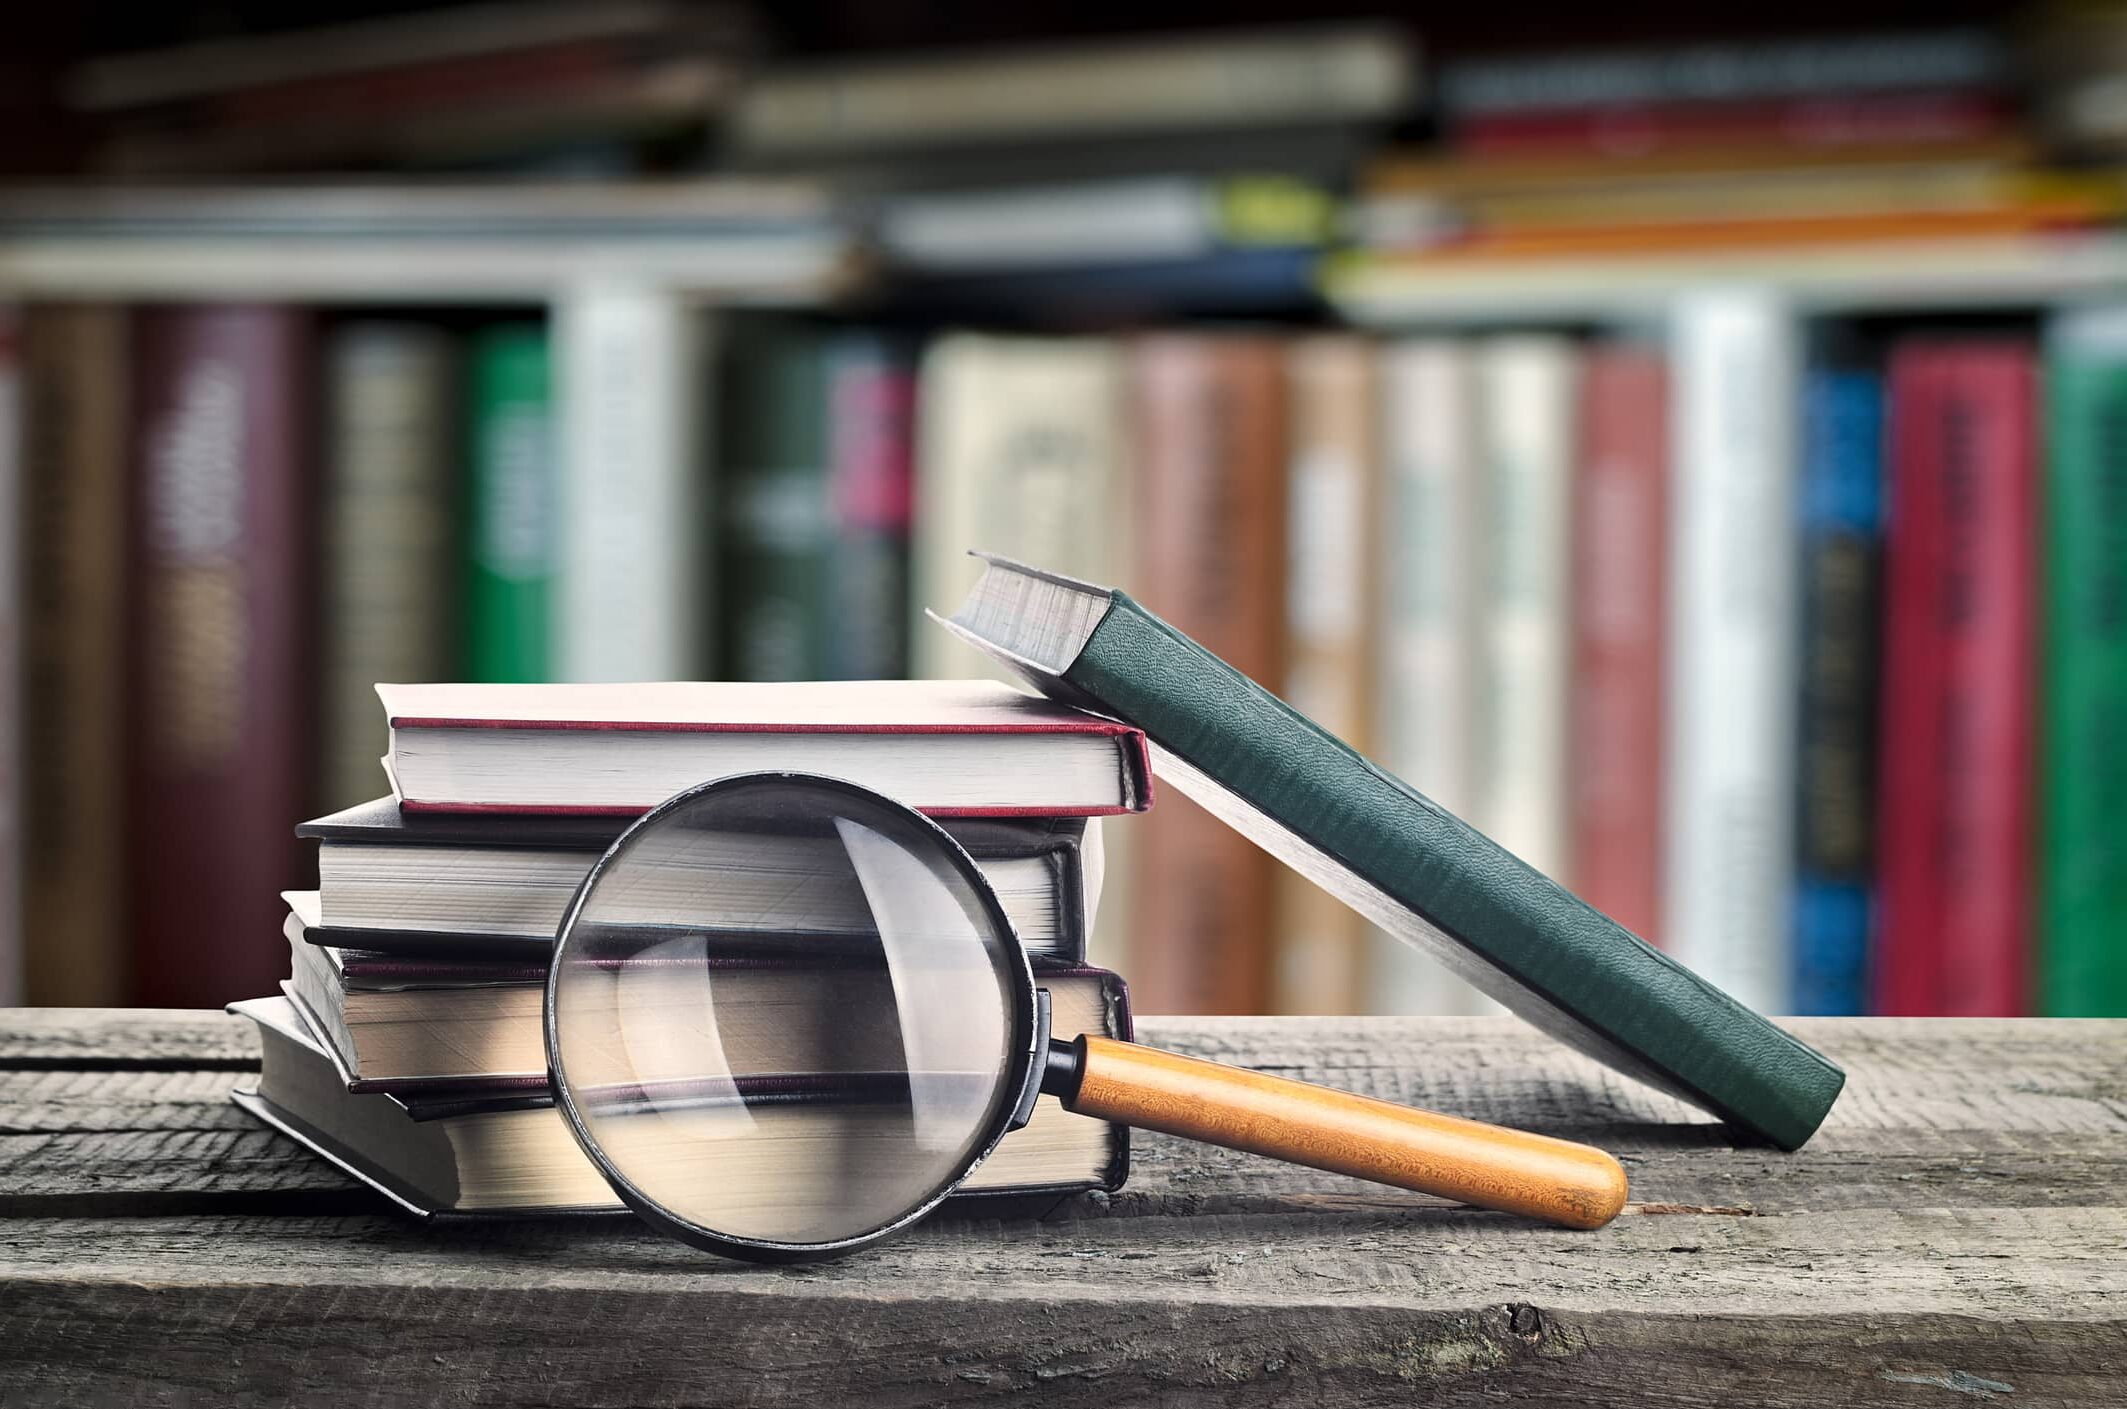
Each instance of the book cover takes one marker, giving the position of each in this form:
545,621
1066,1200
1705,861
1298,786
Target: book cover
1835,800
1526,443
1209,438
1397,856
219,630
512,525
1728,774
73,504
389,535
948,747
448,886
509,1155
1959,614
1332,520
2082,855
1426,715
635,560
1614,722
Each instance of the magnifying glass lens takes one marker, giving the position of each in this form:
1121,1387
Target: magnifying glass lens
785,1014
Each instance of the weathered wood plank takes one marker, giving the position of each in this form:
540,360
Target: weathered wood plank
90,1038
1956,1232
1954,1115
1359,1307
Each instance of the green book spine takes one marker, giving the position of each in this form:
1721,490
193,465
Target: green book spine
2082,886
777,531
511,518
1575,971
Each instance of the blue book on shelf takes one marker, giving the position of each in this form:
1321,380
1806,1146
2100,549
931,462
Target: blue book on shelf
1842,515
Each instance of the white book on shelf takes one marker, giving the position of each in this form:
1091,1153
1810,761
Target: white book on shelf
629,389
1425,712
1526,442
1332,522
1021,451
1730,771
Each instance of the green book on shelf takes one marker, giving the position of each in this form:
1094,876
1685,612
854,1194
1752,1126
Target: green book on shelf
511,506
772,496
1405,863
2082,859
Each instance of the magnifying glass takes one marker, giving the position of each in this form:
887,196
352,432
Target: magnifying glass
787,1016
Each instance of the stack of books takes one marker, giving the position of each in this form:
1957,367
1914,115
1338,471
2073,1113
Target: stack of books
407,1046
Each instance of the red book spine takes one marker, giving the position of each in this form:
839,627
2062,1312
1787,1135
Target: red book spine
1614,720
219,622
1958,660
1804,123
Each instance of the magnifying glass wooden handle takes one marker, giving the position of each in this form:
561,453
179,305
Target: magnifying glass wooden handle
1465,1160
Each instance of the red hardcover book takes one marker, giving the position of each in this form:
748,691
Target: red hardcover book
1614,719
1805,123
219,623
1954,803
953,748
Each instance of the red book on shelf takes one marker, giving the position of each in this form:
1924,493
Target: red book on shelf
1804,123
1614,715
1958,659
219,623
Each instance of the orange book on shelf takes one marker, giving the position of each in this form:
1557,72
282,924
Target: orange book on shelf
1208,430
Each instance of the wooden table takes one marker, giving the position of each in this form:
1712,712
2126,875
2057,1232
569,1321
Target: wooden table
1958,1232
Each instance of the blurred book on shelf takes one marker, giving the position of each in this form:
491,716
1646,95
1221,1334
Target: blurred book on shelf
1598,438
553,84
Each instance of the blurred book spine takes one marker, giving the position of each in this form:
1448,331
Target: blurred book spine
1209,438
815,459
1729,773
634,562
219,631
1835,794
74,495
14,961
1021,453
511,528
1958,663
1333,494
1431,559
2082,882
1614,717
871,428
1526,404
775,551
391,550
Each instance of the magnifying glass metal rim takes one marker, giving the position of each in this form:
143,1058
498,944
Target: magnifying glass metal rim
1028,1040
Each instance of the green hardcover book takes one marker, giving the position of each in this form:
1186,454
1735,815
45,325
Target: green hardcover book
2082,881
773,497
512,506
1405,863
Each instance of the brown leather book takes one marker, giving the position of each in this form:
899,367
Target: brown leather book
1209,436
73,553
220,624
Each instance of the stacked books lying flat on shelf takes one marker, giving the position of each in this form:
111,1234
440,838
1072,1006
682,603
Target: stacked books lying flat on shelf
409,1046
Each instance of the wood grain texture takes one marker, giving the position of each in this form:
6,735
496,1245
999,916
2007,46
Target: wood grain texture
1956,1232
1490,1166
